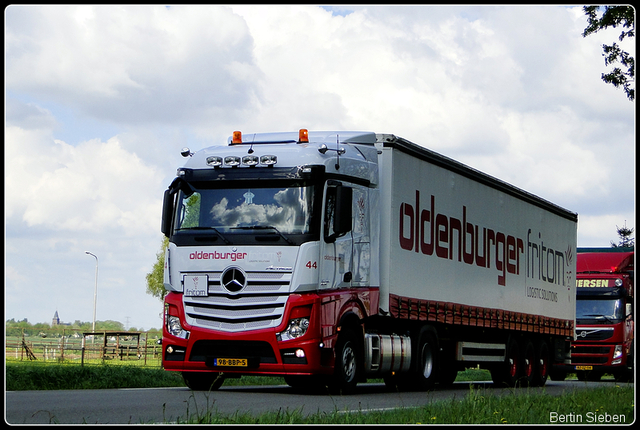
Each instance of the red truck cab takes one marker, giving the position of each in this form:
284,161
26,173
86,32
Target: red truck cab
604,314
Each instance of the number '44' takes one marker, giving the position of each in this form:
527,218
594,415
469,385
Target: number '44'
311,265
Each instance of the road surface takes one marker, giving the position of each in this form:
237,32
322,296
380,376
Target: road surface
167,405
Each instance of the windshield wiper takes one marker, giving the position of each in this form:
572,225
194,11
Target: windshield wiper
599,316
265,227
224,239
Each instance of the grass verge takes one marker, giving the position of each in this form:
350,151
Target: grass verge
29,375
602,405
32,376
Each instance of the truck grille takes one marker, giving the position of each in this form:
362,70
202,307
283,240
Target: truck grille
594,333
590,354
259,305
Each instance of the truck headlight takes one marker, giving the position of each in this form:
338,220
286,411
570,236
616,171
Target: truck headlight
617,352
172,322
175,328
297,327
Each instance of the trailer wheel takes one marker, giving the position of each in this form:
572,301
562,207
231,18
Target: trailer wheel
347,366
427,364
509,371
528,364
203,381
541,370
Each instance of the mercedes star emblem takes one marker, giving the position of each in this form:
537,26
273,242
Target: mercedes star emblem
233,279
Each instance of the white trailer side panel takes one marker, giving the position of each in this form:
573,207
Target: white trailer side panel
457,236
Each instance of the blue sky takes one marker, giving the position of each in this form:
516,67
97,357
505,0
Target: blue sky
99,100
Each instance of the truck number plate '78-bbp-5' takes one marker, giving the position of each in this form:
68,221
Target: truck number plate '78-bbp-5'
231,362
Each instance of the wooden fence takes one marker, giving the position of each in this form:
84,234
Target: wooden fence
85,347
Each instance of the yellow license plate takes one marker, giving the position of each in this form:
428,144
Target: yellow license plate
584,367
231,362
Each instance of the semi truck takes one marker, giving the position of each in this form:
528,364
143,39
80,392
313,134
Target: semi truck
332,257
604,316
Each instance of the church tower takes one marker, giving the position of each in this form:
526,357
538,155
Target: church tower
56,319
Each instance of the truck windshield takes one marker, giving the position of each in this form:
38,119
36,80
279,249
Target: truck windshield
281,210
602,311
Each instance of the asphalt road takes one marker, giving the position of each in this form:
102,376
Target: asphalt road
166,405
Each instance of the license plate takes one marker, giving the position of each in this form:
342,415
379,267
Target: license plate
584,367
231,362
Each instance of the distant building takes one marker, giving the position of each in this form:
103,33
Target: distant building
56,320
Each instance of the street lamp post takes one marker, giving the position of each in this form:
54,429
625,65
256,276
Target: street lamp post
95,297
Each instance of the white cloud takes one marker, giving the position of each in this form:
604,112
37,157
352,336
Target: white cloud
133,64
600,230
100,100
94,185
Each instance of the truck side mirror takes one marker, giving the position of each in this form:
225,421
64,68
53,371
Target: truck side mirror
338,217
343,216
167,212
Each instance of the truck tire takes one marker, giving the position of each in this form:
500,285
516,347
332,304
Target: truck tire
542,365
624,376
557,375
347,364
508,373
425,374
528,364
305,383
589,375
203,381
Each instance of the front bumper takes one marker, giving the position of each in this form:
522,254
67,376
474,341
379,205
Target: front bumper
250,352
257,353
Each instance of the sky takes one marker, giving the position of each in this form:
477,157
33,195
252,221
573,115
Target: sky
99,101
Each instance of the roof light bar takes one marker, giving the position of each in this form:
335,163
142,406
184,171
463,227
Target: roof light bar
232,160
214,161
268,160
250,160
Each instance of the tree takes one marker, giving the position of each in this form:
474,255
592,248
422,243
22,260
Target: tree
155,278
614,16
626,241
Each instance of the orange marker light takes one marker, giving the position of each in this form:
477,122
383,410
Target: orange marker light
303,137
237,138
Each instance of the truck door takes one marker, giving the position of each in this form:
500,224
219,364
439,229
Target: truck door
361,256
337,242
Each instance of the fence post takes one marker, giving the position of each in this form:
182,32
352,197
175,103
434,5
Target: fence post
146,347
104,347
62,347
82,355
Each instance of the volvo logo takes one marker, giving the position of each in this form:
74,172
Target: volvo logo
233,279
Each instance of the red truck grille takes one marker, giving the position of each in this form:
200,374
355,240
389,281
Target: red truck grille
590,354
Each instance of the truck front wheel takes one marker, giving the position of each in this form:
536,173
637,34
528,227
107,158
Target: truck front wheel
203,381
347,365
